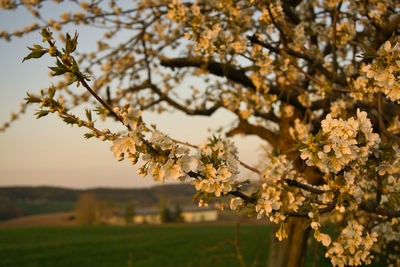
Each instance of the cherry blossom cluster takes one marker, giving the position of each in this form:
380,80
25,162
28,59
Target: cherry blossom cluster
126,145
277,168
269,201
217,166
171,162
353,246
340,143
209,37
383,73
164,159
300,131
214,167
320,237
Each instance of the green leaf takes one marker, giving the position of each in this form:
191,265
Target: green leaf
60,64
32,99
100,110
88,135
41,113
58,71
75,66
70,44
74,42
35,54
36,47
54,103
88,114
51,91
69,120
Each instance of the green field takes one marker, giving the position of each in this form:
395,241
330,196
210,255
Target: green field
134,246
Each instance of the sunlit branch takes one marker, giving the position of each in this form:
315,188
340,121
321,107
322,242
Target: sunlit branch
244,127
305,214
219,69
308,58
170,101
304,186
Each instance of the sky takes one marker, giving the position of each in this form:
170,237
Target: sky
47,152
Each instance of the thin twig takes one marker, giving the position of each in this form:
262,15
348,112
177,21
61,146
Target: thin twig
304,186
98,98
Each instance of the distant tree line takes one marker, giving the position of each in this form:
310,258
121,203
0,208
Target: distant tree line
181,193
9,211
171,215
20,201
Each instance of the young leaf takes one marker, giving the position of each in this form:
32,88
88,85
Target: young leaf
88,114
74,42
88,135
70,44
32,99
36,47
42,113
58,70
35,54
69,120
51,91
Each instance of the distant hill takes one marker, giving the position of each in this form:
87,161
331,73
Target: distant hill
145,196
18,201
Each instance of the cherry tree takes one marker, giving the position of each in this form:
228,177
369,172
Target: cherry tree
317,81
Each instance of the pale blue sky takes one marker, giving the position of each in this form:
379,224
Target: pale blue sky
48,152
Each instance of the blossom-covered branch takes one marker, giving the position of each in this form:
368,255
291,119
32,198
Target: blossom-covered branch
317,81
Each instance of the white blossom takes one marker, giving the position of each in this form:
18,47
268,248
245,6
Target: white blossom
235,203
340,145
352,247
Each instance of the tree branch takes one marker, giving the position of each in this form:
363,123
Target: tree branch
289,12
304,186
219,69
166,98
245,127
233,74
384,212
331,76
267,116
385,32
245,198
305,214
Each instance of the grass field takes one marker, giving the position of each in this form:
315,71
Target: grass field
132,246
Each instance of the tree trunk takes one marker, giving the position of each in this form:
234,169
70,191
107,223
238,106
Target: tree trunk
290,252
